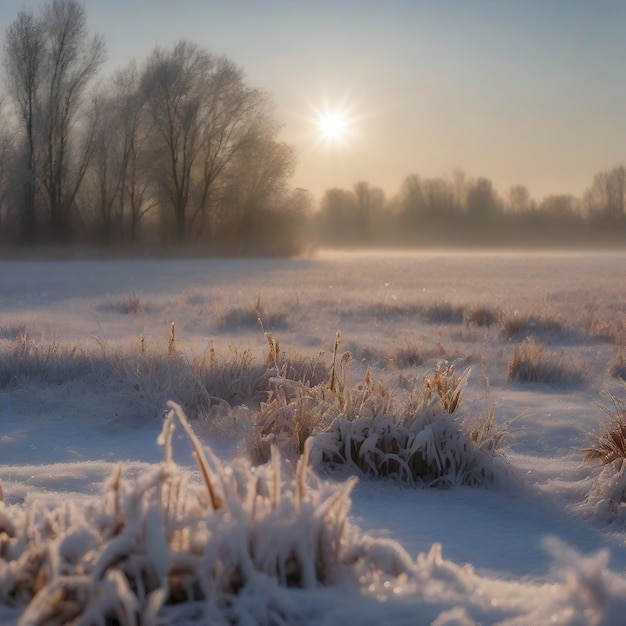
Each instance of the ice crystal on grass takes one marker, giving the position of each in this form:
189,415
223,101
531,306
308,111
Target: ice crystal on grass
608,494
420,439
424,442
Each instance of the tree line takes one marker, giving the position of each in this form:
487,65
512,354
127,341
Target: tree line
177,149
180,149
458,210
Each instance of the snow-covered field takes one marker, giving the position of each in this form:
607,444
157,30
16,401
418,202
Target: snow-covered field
541,547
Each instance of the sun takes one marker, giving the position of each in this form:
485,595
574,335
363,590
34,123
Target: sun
332,125
335,125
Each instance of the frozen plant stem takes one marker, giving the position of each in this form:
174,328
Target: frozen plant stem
205,470
333,376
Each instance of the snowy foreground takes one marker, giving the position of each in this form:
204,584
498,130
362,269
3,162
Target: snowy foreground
104,497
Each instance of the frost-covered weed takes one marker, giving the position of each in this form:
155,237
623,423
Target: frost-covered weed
531,362
164,549
412,355
440,312
610,445
608,494
12,331
290,414
145,376
253,317
481,316
26,359
443,313
519,326
419,439
617,369
386,310
422,442
127,304
607,328
249,546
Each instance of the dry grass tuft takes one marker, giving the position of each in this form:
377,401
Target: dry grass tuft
481,316
143,375
611,330
533,363
127,304
435,313
608,492
289,416
253,317
146,374
386,310
446,384
26,360
413,355
11,332
518,326
418,439
443,313
610,445
617,369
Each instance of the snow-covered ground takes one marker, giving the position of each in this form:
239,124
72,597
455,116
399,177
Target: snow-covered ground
536,548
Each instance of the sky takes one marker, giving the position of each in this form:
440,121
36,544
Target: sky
522,92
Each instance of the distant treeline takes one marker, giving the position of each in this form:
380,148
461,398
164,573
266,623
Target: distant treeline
180,151
459,211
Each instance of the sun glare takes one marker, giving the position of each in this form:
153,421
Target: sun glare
335,125
332,126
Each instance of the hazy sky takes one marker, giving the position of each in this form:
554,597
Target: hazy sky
526,91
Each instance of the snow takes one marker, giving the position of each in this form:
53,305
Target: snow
535,551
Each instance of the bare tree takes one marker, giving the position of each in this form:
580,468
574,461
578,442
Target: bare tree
134,199
118,182
256,181
482,200
439,196
337,215
102,180
201,111
238,119
519,200
72,59
7,151
605,197
24,59
460,185
412,199
560,207
370,202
